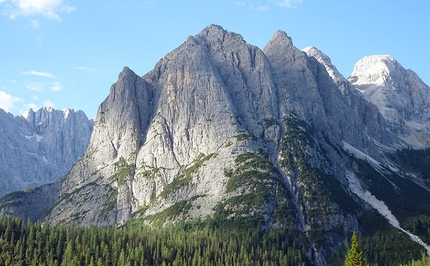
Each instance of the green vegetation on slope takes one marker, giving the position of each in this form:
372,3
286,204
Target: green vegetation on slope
198,243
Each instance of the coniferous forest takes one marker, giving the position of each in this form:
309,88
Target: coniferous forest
27,243
196,243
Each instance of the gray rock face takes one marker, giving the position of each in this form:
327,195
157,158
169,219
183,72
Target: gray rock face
42,148
400,95
222,128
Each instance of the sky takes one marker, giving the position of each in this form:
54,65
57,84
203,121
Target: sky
68,53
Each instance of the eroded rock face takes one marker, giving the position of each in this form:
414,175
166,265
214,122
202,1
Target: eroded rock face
400,95
220,128
41,148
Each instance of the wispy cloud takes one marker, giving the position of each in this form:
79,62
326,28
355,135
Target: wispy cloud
46,8
35,86
263,8
44,86
7,101
89,69
35,23
48,103
24,111
237,3
55,86
40,74
288,3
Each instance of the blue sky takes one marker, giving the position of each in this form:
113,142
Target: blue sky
67,53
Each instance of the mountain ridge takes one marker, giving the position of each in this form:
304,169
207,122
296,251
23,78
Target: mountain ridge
40,148
222,129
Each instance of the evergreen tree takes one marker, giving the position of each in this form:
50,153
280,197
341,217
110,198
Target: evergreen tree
354,257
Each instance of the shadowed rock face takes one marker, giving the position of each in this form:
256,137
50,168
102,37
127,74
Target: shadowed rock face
218,122
41,148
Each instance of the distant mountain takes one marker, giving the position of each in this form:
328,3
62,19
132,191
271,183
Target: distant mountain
400,95
272,138
41,148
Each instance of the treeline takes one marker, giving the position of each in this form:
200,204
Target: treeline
417,161
27,243
192,243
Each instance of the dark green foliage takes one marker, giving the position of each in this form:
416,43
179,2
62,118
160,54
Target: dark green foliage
419,225
197,163
395,191
253,171
253,179
268,122
242,136
416,161
110,204
384,244
185,178
196,243
123,170
179,208
424,261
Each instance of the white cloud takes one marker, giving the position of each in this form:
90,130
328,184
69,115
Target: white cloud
32,106
46,8
27,107
288,3
263,8
35,86
40,74
48,103
7,101
45,86
55,86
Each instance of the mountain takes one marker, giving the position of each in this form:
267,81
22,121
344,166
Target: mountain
41,148
400,95
222,130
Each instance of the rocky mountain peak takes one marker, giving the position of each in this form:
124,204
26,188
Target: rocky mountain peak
376,69
314,52
400,95
220,128
281,38
41,148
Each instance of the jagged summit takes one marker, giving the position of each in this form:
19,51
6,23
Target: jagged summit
314,52
220,128
281,37
41,148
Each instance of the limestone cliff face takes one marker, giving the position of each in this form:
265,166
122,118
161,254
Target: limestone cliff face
41,148
400,95
212,111
220,128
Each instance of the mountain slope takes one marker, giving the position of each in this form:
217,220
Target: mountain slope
400,95
223,130
41,148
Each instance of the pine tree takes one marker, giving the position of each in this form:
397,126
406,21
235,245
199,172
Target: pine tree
354,257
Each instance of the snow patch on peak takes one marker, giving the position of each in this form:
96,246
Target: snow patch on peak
67,112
